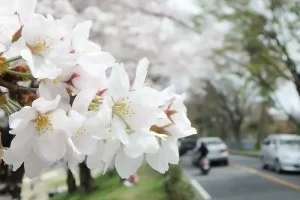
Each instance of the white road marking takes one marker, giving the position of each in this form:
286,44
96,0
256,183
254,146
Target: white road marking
200,189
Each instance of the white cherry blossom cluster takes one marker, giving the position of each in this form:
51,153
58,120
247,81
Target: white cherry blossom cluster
80,113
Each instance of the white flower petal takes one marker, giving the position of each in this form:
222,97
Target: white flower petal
73,157
127,166
27,55
168,153
166,94
95,160
118,129
118,82
51,146
48,89
61,121
177,132
84,143
86,80
143,118
26,114
42,105
23,140
33,165
83,100
141,73
42,68
141,143
25,9
82,29
77,118
110,149
96,62
11,158
157,162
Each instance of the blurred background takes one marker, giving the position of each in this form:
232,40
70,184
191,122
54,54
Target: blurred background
238,63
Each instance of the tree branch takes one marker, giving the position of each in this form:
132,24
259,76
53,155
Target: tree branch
14,87
163,15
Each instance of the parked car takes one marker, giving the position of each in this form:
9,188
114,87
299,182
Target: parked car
218,150
281,152
186,145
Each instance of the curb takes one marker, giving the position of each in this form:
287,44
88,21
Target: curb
200,190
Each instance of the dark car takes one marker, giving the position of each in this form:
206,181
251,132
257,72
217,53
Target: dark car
187,145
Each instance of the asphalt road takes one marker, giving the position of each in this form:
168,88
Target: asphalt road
244,179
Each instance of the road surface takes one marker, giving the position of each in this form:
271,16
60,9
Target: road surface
245,180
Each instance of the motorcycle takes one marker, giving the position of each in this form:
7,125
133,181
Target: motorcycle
204,166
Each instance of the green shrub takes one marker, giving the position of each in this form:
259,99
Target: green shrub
176,187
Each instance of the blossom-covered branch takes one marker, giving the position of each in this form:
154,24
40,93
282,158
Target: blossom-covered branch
110,118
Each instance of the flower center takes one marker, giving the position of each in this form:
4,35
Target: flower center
41,45
96,102
123,108
43,123
56,81
79,132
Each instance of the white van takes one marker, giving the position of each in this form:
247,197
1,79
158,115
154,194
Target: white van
281,152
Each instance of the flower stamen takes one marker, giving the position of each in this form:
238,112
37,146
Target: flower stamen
123,108
41,45
43,123
96,102
79,132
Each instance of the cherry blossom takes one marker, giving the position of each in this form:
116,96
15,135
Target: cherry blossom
40,132
81,105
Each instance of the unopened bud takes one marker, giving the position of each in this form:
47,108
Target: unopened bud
23,68
17,35
3,65
3,99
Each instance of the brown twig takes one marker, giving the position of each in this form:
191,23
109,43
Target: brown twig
14,87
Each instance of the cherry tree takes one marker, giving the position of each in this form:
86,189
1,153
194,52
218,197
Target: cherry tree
161,30
68,98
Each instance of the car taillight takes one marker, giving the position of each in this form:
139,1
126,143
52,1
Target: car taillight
224,150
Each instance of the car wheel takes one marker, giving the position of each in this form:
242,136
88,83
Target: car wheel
226,162
277,166
264,165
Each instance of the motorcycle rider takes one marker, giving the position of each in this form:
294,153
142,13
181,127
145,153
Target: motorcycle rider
203,150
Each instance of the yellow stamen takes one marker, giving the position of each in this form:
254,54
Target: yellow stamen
79,132
96,102
123,108
41,45
43,123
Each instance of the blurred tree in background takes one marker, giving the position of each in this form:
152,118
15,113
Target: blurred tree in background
261,45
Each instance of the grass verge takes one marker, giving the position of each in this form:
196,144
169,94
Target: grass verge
150,187
253,153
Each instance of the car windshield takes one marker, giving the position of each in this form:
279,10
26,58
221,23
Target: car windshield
290,143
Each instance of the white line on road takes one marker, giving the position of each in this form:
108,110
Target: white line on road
200,189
